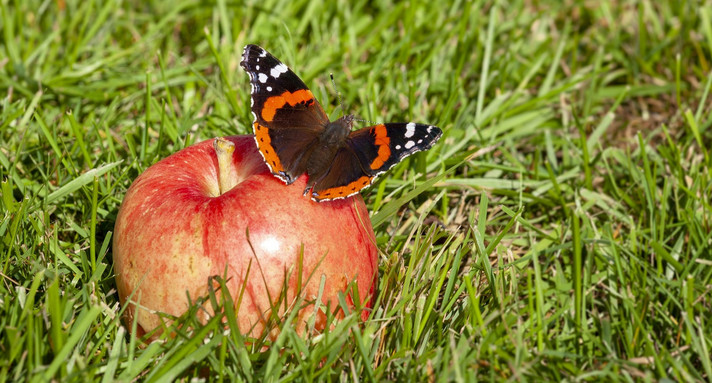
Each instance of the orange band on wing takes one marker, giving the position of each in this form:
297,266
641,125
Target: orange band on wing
384,146
264,143
343,191
272,104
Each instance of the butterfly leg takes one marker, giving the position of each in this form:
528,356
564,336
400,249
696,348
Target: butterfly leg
311,183
314,179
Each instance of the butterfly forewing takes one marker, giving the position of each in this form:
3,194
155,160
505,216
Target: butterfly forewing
393,142
287,117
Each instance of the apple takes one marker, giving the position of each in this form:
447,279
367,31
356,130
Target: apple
209,210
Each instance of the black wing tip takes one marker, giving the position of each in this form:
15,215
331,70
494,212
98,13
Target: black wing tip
433,134
250,47
438,132
247,52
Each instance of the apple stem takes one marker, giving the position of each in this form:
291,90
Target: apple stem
227,178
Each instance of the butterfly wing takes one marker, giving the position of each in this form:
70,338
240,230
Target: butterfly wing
370,152
287,118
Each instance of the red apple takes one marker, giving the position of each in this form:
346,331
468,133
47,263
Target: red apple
176,228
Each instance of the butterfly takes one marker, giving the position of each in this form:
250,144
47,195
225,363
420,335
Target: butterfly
295,136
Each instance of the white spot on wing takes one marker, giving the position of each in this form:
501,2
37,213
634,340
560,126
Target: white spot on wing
398,147
262,77
278,70
269,88
409,144
257,67
409,130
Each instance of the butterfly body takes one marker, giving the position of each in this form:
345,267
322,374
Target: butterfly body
295,136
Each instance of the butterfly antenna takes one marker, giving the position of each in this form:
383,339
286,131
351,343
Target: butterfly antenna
338,94
341,102
366,121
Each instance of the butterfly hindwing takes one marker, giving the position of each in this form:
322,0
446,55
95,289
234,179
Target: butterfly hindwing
287,117
370,152
345,177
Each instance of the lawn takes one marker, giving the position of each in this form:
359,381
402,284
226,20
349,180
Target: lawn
559,230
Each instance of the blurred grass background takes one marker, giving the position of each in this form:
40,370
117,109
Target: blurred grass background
560,230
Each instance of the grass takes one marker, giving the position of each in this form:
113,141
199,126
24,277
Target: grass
562,231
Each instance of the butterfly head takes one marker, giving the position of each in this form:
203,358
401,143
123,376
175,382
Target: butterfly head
336,132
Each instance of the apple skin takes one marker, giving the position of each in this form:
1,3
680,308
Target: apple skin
174,231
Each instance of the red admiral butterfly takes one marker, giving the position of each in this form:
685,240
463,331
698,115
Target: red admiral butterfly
295,136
